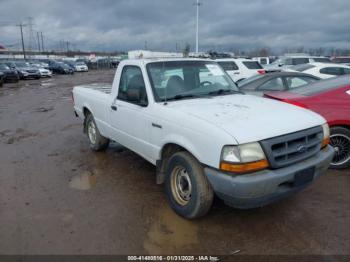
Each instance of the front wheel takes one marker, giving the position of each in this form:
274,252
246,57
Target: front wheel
97,141
340,140
187,188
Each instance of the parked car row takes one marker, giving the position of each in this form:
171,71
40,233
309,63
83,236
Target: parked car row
15,70
240,69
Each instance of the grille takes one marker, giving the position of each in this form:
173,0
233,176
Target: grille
32,71
288,149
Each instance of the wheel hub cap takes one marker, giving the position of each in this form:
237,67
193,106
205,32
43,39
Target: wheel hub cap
92,132
341,145
181,185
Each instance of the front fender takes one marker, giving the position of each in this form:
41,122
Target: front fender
182,142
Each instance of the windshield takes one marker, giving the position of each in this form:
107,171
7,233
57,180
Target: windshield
80,63
186,79
322,59
63,65
4,67
21,64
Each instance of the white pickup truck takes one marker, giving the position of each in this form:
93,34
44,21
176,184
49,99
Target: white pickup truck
187,117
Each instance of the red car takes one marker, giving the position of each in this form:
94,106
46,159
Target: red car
331,99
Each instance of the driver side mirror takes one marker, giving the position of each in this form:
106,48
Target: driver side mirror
133,95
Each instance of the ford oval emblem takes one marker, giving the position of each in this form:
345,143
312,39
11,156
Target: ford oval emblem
301,149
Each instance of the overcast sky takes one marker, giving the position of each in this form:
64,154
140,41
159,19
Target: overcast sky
224,24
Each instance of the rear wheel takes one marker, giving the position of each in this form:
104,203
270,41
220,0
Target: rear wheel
96,140
340,140
187,188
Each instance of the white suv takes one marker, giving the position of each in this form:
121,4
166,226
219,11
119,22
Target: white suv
240,68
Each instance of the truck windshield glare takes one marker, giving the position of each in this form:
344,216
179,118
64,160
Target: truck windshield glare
188,79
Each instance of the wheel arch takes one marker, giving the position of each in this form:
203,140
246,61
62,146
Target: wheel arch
86,111
167,150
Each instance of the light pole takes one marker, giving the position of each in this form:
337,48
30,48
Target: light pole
197,24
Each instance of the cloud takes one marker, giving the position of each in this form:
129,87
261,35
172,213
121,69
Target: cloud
165,24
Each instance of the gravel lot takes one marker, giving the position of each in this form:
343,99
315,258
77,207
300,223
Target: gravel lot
58,197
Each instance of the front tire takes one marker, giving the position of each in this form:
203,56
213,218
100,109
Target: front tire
96,140
340,140
187,188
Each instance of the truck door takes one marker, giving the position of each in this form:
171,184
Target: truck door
129,112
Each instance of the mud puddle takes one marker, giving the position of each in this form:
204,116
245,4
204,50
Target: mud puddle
171,234
83,181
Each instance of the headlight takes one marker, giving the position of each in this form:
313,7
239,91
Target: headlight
243,158
326,134
24,72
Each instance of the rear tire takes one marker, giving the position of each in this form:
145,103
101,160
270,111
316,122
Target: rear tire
187,188
340,140
96,140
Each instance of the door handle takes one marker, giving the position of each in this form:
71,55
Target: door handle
114,108
236,73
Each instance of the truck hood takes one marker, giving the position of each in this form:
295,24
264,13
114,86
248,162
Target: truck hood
248,118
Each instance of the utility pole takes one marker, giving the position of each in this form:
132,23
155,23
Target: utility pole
21,25
37,35
145,45
42,42
67,43
197,4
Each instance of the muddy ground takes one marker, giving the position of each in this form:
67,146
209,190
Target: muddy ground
58,197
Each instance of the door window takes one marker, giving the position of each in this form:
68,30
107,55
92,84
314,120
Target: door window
228,66
335,71
275,84
132,80
296,81
346,71
300,60
252,65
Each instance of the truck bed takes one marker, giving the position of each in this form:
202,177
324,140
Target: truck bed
101,87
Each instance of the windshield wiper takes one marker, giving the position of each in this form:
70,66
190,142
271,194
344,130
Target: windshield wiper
223,91
179,97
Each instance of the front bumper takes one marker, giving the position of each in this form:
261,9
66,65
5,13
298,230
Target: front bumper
30,75
264,187
45,74
11,78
